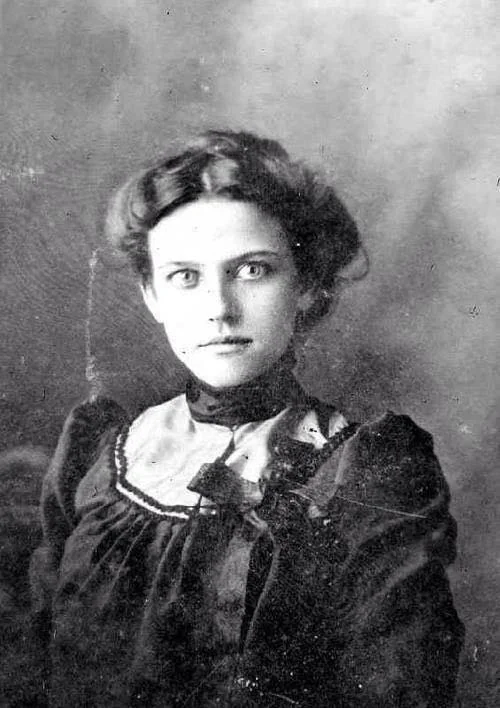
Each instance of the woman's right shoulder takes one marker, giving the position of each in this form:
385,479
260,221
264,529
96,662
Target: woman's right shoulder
84,428
88,420
87,427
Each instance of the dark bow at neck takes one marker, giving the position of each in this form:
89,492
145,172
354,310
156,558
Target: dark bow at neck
258,399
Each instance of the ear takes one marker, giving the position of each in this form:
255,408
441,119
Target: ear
149,297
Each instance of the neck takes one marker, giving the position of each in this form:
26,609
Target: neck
258,399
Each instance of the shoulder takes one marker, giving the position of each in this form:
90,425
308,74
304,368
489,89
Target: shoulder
83,430
388,462
393,455
391,434
384,487
94,415
87,421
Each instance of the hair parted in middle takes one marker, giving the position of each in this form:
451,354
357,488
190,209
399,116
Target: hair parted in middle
241,166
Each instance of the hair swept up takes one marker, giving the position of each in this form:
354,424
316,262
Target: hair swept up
322,235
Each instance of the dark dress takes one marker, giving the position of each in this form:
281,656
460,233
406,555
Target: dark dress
331,591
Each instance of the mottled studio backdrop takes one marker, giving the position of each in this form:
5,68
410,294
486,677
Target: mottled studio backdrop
396,100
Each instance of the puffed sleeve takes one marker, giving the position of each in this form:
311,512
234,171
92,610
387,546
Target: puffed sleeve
389,635
79,441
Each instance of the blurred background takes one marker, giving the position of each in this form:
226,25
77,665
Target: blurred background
396,101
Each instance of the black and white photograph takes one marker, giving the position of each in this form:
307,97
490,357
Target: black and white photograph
249,367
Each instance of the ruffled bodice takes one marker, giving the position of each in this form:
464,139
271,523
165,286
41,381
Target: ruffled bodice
316,582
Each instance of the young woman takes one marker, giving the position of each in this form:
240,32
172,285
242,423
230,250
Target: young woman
242,544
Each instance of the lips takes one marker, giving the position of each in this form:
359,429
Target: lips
226,341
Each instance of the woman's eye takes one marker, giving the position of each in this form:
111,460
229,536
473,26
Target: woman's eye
185,278
253,271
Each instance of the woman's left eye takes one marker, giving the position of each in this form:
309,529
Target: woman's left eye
253,270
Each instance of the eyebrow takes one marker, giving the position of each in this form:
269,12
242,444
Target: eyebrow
241,257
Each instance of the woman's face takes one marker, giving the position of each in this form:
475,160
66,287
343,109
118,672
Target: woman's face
225,288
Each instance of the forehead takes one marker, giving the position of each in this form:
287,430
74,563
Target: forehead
213,230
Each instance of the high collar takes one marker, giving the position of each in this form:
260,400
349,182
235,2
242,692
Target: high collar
258,399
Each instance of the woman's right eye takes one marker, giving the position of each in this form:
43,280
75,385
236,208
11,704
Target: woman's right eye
185,278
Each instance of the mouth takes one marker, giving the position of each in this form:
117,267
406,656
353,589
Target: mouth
227,345
226,341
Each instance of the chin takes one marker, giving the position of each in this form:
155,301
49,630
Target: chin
227,381
226,377
231,370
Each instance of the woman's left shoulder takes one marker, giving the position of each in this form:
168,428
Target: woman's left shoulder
387,461
392,459
393,432
392,441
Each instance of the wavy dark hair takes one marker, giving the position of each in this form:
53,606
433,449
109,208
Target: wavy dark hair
321,233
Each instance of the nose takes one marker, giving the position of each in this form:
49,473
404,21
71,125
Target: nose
220,300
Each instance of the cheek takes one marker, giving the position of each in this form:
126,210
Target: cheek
277,312
174,311
177,327
287,302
